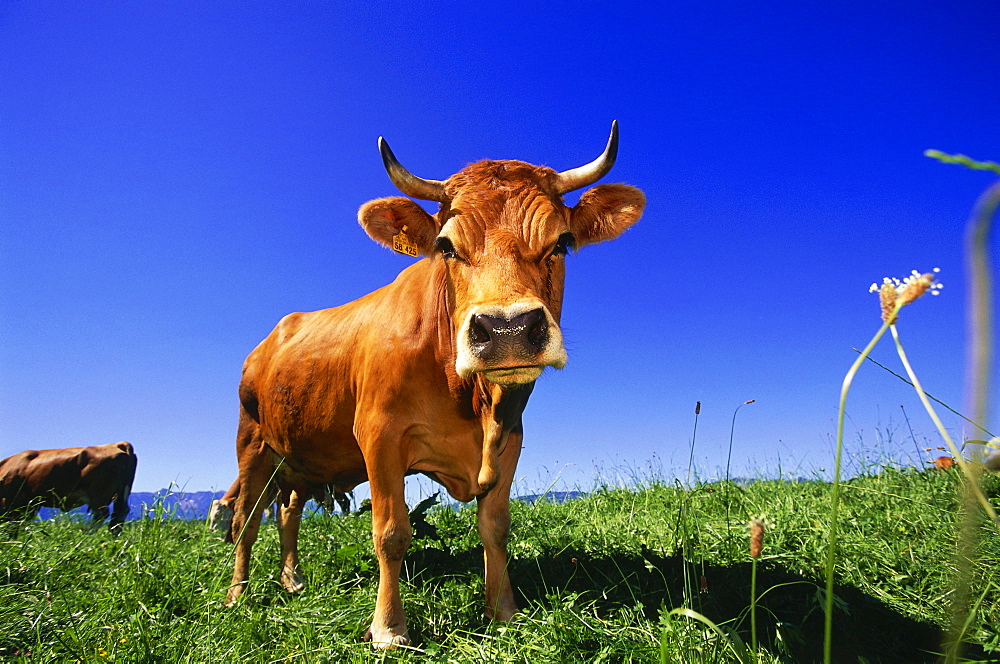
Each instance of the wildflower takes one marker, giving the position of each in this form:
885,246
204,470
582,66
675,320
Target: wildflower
894,294
756,538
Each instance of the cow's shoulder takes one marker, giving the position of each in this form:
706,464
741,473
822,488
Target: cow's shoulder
15,464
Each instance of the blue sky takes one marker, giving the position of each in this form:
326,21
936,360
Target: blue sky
175,177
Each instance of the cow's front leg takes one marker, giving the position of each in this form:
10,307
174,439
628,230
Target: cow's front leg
289,519
494,526
391,534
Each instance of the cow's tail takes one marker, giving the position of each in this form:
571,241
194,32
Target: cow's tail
129,461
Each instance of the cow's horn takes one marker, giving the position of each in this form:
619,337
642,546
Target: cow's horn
407,182
577,178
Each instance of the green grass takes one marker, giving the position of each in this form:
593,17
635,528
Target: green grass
597,579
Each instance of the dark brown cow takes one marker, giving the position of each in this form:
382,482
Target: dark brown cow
431,373
69,478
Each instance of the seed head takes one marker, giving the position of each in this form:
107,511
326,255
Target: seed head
894,294
756,538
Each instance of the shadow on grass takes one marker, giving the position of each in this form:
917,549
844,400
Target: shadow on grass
789,614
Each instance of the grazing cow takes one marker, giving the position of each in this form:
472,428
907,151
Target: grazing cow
220,514
69,478
429,374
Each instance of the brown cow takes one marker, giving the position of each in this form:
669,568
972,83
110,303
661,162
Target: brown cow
431,373
943,462
69,478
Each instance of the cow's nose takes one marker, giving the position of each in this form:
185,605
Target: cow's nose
523,335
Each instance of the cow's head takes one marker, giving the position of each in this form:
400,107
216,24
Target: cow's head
503,232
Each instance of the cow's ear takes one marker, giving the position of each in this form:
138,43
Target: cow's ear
605,211
384,219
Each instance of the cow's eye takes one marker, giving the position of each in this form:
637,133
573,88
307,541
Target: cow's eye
563,244
446,248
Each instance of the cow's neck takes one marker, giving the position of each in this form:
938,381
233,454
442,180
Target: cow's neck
498,409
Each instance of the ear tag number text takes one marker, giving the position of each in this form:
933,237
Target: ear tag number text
402,243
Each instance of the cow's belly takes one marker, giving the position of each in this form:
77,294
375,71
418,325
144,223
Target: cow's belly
327,458
446,448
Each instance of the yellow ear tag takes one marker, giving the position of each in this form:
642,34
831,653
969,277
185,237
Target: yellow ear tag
402,243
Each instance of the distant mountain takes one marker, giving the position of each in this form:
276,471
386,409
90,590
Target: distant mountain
164,504
552,496
194,505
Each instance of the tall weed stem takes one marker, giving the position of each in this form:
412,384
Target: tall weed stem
687,548
753,606
980,324
971,470
831,551
967,535
978,368
729,459
756,548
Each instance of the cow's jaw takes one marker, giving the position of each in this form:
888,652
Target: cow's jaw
515,376
509,343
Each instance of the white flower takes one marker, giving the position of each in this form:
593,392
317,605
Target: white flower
894,293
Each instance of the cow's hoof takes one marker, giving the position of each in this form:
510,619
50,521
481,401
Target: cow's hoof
502,614
233,594
383,639
293,582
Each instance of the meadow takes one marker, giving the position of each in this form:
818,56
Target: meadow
618,575
876,568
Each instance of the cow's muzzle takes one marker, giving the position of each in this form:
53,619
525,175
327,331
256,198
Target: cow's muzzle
511,346
494,339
